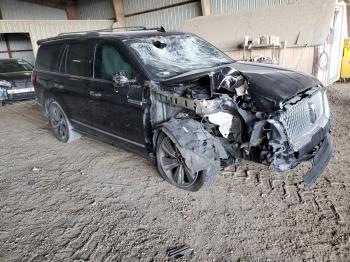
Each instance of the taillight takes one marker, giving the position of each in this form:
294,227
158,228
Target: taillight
33,77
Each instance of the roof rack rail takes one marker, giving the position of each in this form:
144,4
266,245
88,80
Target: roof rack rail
96,32
128,28
160,29
79,32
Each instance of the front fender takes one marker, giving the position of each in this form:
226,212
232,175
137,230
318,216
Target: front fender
200,149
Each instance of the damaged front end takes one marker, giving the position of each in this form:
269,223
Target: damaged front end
298,132
223,116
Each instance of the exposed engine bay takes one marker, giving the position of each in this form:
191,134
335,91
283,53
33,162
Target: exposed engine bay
271,116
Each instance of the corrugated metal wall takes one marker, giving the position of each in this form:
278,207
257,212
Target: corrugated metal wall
20,45
3,48
38,30
96,10
18,10
219,7
135,6
170,18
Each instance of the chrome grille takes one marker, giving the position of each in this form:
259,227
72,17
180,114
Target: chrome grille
303,117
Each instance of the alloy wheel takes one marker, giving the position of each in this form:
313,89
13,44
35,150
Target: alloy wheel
174,166
58,122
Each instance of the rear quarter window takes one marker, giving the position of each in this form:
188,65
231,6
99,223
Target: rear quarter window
49,57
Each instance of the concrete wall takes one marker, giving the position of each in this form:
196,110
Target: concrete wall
305,22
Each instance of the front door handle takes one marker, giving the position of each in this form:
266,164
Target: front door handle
95,94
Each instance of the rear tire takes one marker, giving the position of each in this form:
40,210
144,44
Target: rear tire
173,169
60,124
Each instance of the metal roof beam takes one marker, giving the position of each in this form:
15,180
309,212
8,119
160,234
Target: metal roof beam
119,12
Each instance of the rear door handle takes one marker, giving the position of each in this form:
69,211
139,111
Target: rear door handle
95,94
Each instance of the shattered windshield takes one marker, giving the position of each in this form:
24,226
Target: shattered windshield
168,56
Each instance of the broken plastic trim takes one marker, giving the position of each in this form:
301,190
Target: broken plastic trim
319,162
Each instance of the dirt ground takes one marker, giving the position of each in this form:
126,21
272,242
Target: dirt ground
89,201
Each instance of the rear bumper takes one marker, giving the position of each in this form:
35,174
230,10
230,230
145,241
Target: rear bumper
21,94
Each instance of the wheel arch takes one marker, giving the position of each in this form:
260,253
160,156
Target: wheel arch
47,97
198,146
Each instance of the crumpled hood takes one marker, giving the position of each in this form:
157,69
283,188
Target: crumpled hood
268,85
271,85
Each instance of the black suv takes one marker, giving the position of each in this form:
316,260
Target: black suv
174,97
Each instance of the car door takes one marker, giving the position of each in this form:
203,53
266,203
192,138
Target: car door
117,110
73,84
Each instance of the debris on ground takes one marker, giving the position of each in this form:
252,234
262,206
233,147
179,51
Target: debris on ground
180,252
36,169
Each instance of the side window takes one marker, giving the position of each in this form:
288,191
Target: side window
79,59
49,57
109,61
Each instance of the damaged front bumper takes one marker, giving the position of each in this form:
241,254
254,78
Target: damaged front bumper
302,133
318,151
319,162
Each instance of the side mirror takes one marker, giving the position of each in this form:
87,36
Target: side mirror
120,79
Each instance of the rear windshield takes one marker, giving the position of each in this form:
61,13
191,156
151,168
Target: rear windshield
48,58
14,66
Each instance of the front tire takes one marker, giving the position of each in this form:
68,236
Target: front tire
60,124
172,167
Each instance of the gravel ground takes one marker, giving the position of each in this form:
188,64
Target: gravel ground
89,201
